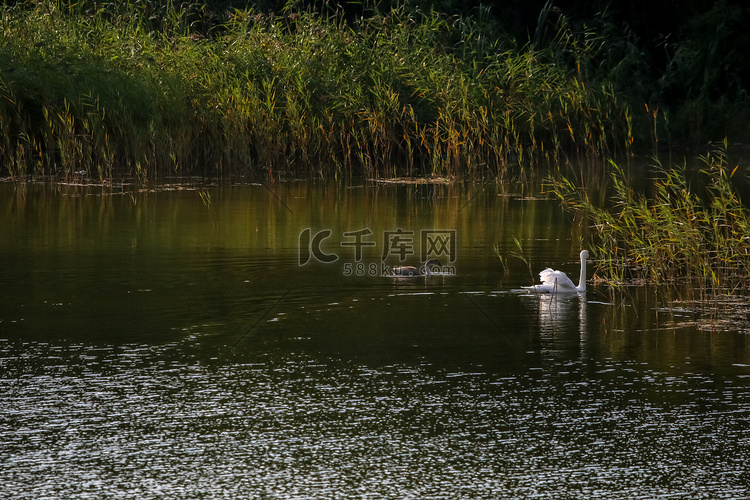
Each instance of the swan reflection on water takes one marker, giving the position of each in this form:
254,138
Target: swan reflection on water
558,313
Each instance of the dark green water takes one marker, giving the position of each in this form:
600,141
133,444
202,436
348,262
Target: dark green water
170,345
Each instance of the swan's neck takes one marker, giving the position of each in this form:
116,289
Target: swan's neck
582,278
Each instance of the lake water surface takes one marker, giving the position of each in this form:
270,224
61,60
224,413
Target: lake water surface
183,343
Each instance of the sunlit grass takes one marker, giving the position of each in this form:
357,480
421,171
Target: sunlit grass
404,92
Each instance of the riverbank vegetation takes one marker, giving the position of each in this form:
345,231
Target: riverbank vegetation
681,225
148,89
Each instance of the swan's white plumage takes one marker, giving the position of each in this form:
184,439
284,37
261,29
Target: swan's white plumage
558,282
551,279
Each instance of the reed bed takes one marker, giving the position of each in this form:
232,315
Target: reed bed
96,93
670,230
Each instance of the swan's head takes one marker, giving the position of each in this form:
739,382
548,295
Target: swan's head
584,254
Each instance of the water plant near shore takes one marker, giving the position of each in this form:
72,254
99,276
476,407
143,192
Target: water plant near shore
404,92
675,232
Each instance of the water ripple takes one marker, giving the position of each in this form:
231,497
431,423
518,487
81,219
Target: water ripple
139,422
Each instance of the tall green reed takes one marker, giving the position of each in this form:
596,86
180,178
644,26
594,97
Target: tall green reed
670,230
403,92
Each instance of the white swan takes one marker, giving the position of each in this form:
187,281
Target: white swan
557,282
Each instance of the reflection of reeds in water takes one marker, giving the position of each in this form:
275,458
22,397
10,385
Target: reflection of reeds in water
685,309
399,93
673,234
